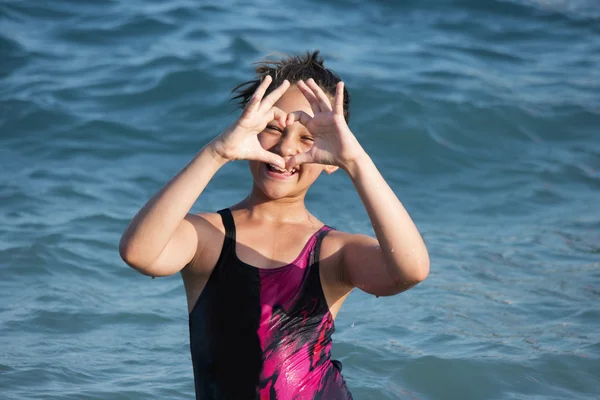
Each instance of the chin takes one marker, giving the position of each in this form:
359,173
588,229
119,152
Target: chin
267,185
273,194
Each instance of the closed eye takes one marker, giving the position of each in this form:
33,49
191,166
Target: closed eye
308,138
273,128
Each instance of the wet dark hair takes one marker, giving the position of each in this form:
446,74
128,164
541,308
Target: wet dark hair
292,68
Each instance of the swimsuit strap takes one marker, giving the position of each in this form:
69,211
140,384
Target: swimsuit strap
228,223
316,253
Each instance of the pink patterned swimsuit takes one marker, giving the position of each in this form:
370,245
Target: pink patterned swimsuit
264,333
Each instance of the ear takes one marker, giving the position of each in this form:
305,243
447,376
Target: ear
330,169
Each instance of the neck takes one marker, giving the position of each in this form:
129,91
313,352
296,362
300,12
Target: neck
286,210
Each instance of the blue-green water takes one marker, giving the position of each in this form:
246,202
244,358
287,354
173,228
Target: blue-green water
484,116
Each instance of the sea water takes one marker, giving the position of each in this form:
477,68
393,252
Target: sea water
483,116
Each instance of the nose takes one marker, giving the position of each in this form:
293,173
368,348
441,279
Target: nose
287,146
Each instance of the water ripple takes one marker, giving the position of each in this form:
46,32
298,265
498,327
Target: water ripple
482,116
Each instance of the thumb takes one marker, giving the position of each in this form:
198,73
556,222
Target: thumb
271,158
279,115
299,116
302,158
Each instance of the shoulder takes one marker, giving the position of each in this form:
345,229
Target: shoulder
342,250
335,249
207,220
332,270
211,234
207,225
330,258
337,242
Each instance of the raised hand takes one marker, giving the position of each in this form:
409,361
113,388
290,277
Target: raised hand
334,143
240,140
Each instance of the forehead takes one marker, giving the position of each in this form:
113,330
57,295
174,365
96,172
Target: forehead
293,100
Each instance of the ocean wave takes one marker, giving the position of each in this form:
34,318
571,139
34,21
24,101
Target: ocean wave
112,33
482,116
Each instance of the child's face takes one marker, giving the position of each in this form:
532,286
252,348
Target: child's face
286,142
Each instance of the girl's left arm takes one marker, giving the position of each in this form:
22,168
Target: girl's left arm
398,259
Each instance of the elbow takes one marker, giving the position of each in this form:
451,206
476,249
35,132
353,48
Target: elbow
421,275
414,278
411,275
125,248
130,256
422,270
411,266
125,251
140,260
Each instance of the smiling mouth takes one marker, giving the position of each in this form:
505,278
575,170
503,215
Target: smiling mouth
283,172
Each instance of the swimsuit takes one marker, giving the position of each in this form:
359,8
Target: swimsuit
260,333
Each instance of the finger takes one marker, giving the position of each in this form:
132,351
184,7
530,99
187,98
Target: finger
310,96
278,115
257,96
251,106
262,88
338,107
298,159
268,101
324,101
299,116
271,158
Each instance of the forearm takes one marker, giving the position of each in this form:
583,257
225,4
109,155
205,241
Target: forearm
154,225
403,248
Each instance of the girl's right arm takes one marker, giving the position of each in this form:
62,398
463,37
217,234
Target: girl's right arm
163,237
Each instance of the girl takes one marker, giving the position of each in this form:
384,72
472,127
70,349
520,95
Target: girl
265,278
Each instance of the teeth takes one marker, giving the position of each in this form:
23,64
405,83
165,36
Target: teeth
276,168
